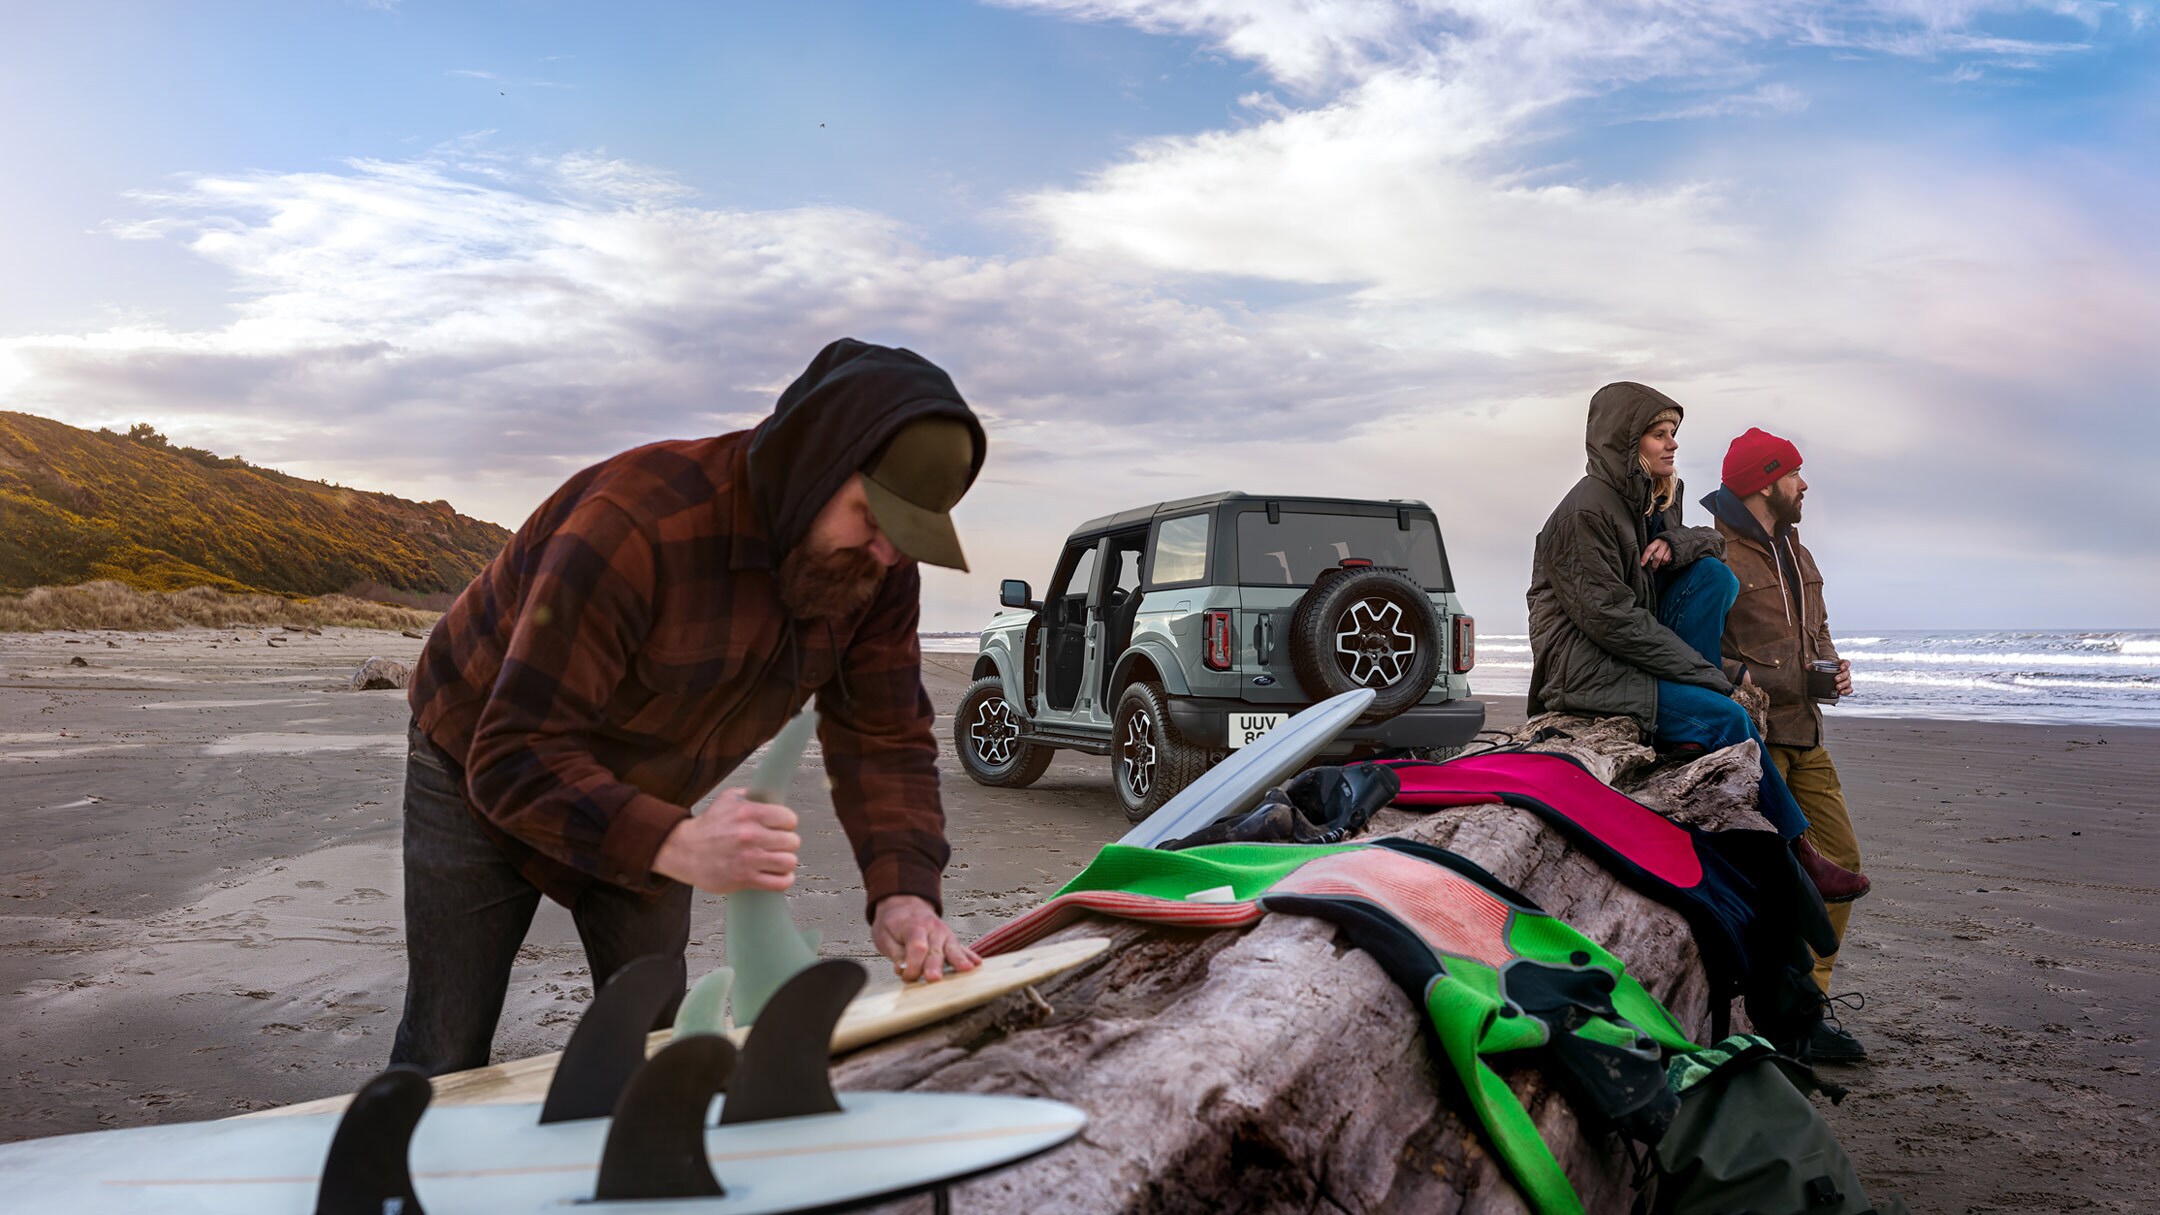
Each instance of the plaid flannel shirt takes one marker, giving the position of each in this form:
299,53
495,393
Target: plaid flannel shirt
628,650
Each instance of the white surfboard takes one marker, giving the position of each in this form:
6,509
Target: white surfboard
884,1008
499,1160
1251,770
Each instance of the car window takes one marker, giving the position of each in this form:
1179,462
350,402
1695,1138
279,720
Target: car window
1294,551
1079,581
1127,555
1180,551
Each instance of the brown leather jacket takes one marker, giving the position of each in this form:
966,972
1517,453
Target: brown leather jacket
1775,632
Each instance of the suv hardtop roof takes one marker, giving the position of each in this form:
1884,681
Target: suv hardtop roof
1144,514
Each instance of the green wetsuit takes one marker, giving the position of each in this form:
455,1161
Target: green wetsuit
1494,973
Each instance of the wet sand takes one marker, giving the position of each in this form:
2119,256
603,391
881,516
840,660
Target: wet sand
201,884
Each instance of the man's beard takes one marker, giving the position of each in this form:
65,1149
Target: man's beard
828,585
1785,509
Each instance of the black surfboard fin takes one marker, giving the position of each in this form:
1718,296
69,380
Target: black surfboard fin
786,1066
656,1144
367,1171
608,1045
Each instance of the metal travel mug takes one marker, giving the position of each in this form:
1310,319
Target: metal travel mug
1822,681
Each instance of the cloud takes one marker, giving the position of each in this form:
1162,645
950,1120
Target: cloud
1769,99
1391,278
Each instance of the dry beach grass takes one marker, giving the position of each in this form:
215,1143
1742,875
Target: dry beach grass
202,882
111,605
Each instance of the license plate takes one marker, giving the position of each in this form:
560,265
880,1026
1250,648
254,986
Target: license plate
1246,728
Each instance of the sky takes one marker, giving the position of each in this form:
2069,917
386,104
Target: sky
1337,247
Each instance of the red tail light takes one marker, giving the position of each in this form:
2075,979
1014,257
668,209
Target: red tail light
1465,644
1215,641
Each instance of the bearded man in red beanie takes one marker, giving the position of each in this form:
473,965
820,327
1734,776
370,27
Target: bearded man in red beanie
1776,627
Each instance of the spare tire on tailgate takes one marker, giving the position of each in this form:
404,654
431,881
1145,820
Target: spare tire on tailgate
1366,627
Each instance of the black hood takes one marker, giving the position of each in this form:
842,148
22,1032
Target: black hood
833,420
1725,505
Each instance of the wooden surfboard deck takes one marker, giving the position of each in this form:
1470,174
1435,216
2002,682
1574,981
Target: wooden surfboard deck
500,1160
885,1007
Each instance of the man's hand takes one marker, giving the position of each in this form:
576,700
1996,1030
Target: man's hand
907,930
737,844
1658,555
1844,678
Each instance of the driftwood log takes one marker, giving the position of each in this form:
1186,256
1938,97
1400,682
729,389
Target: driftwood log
1277,1069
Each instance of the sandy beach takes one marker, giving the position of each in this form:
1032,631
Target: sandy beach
202,893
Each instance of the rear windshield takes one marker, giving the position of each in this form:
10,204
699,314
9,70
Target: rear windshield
1294,551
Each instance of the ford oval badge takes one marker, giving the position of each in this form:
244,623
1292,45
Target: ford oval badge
1263,681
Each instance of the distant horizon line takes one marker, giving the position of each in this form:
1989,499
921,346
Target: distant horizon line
1857,629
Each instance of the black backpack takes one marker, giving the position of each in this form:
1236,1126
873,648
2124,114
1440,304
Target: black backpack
1747,1141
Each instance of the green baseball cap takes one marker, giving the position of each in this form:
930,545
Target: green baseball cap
914,483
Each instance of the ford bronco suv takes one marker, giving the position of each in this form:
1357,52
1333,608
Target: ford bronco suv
1173,634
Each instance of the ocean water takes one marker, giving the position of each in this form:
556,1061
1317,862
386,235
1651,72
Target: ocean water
2102,677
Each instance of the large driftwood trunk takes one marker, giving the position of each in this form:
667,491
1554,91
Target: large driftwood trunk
1279,1069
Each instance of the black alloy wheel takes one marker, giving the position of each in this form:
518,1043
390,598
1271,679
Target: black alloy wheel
988,738
1149,760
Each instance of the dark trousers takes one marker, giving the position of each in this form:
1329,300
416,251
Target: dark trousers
1693,603
466,913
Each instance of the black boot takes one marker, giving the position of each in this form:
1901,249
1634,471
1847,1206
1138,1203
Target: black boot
1830,1043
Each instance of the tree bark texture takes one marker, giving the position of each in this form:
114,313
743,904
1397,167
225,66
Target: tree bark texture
1278,1069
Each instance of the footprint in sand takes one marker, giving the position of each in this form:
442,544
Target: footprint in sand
311,884
363,894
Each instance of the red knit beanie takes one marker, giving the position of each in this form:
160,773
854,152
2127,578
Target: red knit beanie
1756,459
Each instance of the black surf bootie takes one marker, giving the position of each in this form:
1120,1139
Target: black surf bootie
1338,801
1273,821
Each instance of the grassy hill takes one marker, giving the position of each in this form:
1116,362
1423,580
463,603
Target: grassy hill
79,506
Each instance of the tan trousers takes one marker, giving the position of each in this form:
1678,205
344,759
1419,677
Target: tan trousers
1813,780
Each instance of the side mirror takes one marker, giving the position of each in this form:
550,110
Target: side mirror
1014,593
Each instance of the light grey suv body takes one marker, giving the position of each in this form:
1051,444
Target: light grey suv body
1164,639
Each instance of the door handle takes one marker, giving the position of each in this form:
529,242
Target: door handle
1264,637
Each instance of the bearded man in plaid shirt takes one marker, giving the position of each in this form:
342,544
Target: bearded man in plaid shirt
654,622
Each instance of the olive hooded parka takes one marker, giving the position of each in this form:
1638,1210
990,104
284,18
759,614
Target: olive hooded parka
1596,645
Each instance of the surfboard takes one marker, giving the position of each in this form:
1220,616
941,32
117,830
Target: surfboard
1251,770
497,1160
885,1007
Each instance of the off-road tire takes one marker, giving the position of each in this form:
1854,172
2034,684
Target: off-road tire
1366,627
1141,733
986,737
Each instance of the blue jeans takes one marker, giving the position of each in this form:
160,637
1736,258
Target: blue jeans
1693,603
